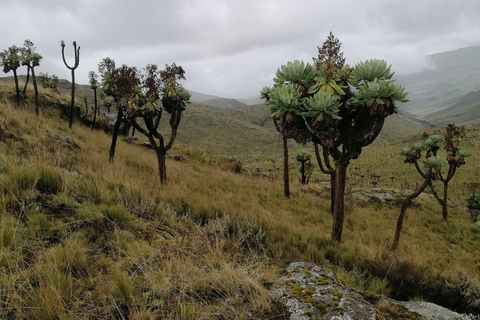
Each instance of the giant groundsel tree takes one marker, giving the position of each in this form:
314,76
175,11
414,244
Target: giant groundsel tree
142,99
433,168
121,85
31,59
10,61
145,112
339,108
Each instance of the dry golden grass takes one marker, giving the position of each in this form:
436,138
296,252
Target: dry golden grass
175,264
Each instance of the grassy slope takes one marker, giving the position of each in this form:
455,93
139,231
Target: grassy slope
139,263
245,132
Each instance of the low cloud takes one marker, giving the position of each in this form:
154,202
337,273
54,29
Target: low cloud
232,49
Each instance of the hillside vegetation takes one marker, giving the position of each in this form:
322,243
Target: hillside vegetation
83,238
243,132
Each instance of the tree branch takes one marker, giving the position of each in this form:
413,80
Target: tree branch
419,170
319,160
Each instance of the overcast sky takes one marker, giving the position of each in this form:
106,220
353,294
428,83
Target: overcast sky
233,48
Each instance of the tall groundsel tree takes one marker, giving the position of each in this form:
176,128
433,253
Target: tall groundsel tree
119,84
10,61
159,92
92,79
31,59
339,108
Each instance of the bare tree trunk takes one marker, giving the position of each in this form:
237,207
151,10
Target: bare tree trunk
304,180
17,90
339,198
96,107
405,204
35,88
116,130
445,201
286,177
332,193
26,81
72,103
162,169
86,110
326,170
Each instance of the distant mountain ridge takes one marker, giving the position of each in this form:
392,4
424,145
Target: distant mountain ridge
214,101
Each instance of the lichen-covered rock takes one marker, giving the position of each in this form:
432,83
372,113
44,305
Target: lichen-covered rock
375,195
313,292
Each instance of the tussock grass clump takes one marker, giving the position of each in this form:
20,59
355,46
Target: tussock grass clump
49,180
379,286
118,215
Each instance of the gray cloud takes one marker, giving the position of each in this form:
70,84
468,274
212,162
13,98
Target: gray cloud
233,48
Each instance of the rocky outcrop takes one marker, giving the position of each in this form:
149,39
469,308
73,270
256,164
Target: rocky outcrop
312,292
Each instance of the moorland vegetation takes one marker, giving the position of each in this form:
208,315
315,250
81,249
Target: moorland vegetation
82,237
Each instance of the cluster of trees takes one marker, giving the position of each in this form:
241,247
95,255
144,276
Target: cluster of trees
339,108
49,81
12,58
141,97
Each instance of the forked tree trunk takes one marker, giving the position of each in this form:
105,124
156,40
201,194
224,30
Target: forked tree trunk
26,81
286,177
405,205
162,169
339,198
116,130
326,170
35,89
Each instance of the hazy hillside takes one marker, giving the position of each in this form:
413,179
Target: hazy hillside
452,76
245,132
248,133
198,97
222,103
465,111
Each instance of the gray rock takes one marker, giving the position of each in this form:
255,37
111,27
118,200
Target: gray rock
313,292
375,195
433,312
131,140
176,157
69,142
147,145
